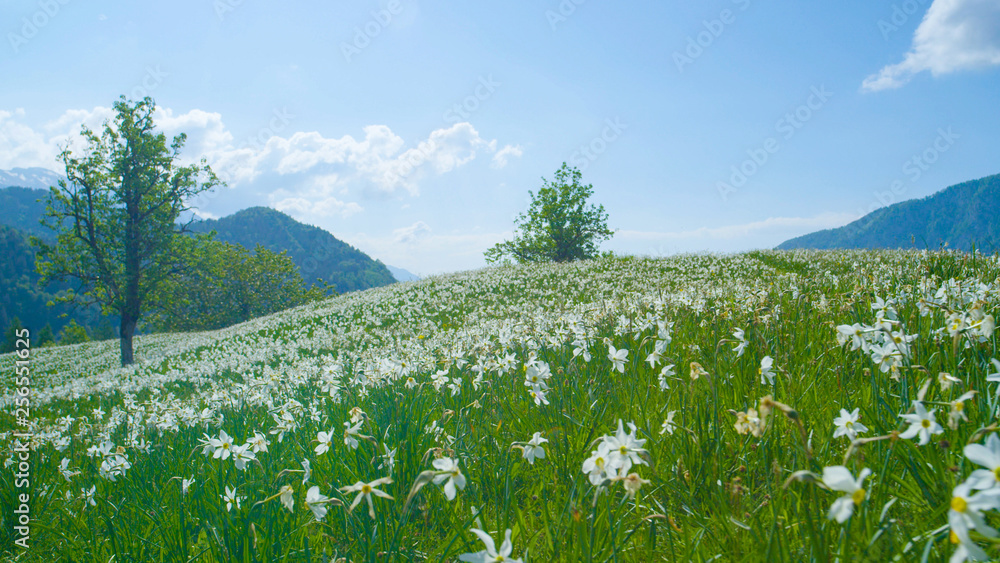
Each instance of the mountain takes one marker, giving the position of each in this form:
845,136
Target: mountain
317,253
23,297
35,178
22,209
960,216
402,275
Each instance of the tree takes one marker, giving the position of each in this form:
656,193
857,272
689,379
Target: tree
10,336
559,225
46,337
227,284
73,333
115,216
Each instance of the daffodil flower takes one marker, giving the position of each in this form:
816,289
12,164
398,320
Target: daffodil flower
839,478
365,491
533,448
491,554
450,475
316,502
966,512
987,456
847,425
922,424
617,358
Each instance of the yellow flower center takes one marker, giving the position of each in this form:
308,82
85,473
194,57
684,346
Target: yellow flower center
623,450
925,423
849,424
996,473
959,406
599,462
953,537
858,496
366,489
958,504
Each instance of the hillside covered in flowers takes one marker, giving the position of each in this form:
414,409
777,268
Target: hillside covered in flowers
764,406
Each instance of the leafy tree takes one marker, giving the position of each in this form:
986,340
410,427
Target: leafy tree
73,333
227,284
46,336
115,216
559,225
10,335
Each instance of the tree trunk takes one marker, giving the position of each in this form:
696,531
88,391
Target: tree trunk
127,330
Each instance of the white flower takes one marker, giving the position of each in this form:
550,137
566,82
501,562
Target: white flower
741,346
617,358
306,470
847,425
668,424
539,396
316,502
766,373
325,440
490,554
922,423
533,449
966,513
231,499
989,457
995,376
450,475
287,497
365,491
351,434
957,412
223,445
388,459
624,449
667,371
259,442
596,465
839,478
186,485
242,455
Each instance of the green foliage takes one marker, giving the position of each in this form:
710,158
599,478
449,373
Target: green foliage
321,258
10,335
959,217
73,333
225,284
115,216
559,225
45,336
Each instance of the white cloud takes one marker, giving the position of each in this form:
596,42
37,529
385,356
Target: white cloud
310,209
429,253
731,232
954,35
501,157
411,234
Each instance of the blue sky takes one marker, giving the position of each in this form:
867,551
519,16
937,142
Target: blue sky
414,130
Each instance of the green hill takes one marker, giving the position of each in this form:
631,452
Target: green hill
960,216
318,254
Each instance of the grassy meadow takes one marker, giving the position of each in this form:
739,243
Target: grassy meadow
626,409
